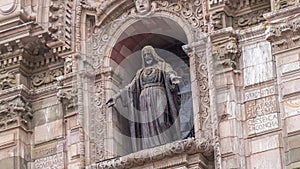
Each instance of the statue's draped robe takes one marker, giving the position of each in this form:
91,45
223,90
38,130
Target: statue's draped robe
153,106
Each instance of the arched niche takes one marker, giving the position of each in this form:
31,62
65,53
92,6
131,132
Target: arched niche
109,51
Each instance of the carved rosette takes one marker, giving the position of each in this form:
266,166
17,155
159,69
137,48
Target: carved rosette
188,146
15,112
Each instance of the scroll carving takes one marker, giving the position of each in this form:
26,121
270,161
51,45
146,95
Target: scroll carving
203,86
250,19
7,80
279,4
189,146
100,117
46,78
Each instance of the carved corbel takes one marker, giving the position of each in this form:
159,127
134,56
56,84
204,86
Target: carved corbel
66,94
227,53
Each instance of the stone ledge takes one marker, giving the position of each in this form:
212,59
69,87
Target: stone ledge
188,146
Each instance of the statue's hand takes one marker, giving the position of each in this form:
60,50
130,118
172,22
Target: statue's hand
111,102
176,79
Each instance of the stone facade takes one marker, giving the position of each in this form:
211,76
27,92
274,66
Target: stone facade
61,60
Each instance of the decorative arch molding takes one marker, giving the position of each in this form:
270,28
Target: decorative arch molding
189,16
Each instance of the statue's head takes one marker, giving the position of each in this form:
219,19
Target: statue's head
149,56
142,6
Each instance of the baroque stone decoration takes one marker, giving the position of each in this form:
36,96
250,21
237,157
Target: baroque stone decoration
189,146
279,4
7,80
46,77
15,111
60,60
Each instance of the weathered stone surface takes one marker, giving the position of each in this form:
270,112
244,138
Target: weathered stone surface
292,124
257,63
7,140
48,131
265,144
268,159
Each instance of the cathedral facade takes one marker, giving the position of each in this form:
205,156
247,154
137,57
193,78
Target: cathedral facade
236,64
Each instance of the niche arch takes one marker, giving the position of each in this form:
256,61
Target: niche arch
100,51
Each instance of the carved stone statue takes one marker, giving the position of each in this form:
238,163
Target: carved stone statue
153,103
142,6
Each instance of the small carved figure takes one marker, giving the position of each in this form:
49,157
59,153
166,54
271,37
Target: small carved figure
142,6
153,102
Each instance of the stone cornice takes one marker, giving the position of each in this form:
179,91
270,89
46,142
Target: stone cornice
284,32
188,146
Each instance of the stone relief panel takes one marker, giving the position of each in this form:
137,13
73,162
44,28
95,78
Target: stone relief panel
46,78
250,19
14,112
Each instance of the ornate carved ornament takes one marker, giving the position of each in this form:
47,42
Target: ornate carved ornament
66,94
7,80
191,10
284,33
14,112
236,13
189,146
100,119
61,25
225,49
250,19
235,4
280,4
198,53
46,78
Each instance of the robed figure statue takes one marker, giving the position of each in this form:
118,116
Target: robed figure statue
153,102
